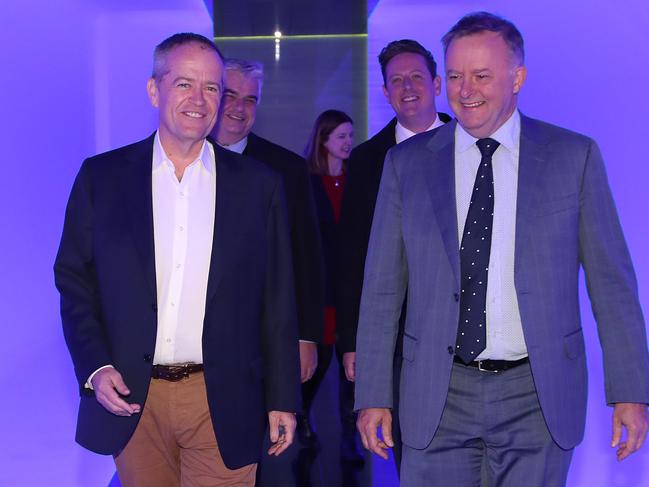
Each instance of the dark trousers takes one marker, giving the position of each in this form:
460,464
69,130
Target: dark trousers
345,389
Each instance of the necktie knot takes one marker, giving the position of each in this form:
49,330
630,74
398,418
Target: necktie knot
487,146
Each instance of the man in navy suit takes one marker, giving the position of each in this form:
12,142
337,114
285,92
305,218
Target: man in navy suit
177,293
410,86
486,221
242,86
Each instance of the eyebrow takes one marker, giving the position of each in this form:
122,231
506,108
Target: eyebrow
229,91
481,70
185,78
182,78
413,71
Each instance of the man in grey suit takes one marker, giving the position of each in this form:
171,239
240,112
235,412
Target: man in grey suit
486,221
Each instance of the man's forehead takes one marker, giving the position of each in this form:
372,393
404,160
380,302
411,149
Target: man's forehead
485,40
241,84
406,61
193,54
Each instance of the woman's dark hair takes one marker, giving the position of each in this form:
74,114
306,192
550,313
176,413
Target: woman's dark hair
315,152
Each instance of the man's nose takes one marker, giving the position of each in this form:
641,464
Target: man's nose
197,96
236,103
466,88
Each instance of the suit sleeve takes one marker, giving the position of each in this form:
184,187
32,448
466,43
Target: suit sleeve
309,267
384,289
76,280
612,288
279,323
355,224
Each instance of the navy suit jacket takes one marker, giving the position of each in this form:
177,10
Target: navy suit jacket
303,225
565,219
105,272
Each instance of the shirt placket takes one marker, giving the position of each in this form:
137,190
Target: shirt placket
179,256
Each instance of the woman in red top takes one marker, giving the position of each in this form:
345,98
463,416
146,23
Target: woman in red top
329,146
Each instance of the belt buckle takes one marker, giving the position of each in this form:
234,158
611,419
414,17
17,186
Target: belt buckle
481,369
174,373
183,373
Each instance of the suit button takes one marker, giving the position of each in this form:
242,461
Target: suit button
154,307
148,358
450,350
457,297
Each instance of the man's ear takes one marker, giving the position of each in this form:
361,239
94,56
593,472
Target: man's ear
520,75
437,83
152,90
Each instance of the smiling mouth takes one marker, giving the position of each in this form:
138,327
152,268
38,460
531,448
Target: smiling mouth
475,104
409,98
235,116
194,114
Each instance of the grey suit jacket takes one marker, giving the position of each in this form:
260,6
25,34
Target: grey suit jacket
565,219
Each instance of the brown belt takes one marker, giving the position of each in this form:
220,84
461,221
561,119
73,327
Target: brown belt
175,373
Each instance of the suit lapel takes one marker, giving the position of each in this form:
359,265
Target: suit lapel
225,217
532,162
440,177
139,206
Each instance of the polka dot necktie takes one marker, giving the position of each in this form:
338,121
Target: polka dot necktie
474,259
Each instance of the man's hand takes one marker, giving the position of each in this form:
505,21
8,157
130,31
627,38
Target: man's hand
349,364
308,360
108,386
368,423
633,417
282,431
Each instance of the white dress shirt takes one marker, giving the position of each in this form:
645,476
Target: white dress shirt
183,227
237,147
401,133
505,340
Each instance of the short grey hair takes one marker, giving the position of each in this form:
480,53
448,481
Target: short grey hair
165,47
249,69
478,22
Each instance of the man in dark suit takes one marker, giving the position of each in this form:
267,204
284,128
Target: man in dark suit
486,222
243,82
410,85
177,293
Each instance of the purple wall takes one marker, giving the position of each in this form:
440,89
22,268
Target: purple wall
588,63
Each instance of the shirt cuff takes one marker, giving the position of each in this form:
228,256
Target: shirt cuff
88,384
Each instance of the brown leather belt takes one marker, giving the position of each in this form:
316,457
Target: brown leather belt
175,373
493,365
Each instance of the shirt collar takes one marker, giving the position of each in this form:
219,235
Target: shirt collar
205,156
401,133
508,135
237,147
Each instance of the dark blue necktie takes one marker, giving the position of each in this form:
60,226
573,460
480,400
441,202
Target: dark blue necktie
474,259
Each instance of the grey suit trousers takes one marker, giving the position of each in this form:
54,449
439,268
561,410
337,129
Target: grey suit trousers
493,413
